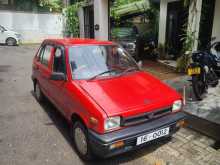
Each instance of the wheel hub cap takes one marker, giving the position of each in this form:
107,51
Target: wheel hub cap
37,91
80,140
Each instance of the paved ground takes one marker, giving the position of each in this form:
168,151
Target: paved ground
160,70
35,134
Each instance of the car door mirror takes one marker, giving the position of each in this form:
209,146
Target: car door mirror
58,76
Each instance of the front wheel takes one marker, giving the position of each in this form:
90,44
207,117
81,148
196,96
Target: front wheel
11,42
81,141
199,86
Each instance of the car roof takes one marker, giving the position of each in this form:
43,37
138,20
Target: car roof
78,41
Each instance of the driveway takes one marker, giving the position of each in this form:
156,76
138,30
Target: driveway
34,134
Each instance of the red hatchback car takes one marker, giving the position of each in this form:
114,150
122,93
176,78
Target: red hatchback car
112,106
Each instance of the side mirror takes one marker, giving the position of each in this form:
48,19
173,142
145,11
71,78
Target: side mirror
140,64
57,76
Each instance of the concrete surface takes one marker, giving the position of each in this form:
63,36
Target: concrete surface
32,134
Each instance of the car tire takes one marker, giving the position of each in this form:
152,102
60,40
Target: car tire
11,41
38,93
79,134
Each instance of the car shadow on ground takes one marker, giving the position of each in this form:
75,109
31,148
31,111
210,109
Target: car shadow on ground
61,124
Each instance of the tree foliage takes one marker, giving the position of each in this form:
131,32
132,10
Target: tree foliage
118,3
54,5
72,18
39,5
189,38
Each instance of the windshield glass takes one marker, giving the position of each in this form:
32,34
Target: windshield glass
123,33
3,28
89,62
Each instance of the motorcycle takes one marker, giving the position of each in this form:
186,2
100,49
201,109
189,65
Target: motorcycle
205,70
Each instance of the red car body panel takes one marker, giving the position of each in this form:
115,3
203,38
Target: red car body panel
130,94
124,95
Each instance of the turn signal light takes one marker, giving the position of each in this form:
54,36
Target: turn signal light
117,145
93,121
181,123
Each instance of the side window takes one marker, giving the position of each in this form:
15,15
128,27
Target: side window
39,53
45,54
59,61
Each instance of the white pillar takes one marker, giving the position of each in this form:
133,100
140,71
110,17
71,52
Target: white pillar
194,20
216,22
101,19
163,21
81,23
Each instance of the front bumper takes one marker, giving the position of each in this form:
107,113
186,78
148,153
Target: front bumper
100,143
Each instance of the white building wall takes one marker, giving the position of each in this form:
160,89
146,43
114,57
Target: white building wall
32,26
216,22
101,19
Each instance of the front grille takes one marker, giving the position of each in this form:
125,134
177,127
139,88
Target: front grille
145,117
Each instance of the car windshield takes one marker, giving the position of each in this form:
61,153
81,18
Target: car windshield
2,28
90,62
123,33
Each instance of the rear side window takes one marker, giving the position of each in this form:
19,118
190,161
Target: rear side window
45,54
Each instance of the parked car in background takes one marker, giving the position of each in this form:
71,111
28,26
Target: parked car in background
126,37
9,37
111,105
140,44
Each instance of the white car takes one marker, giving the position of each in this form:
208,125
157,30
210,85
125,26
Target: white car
9,37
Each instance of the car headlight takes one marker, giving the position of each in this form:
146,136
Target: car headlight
177,105
112,123
131,46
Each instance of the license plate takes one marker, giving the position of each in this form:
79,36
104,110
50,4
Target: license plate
192,71
152,136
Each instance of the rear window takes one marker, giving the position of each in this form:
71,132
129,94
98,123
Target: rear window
45,53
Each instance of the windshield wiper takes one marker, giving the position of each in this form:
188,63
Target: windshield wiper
108,71
129,70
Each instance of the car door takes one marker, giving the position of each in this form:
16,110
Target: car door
43,66
58,87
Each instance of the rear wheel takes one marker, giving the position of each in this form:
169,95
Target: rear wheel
11,42
38,93
81,143
199,86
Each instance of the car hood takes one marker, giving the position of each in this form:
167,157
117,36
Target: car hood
130,94
11,32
